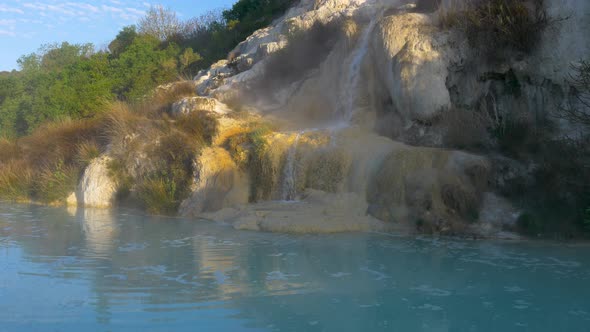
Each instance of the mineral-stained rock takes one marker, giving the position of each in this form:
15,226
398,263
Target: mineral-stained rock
96,188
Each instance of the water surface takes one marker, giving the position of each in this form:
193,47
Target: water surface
95,270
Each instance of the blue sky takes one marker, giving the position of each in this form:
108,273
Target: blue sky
26,24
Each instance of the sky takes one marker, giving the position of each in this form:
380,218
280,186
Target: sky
25,25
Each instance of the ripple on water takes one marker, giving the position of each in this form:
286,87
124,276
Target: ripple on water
145,271
432,291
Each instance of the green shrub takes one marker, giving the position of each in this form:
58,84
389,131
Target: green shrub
119,173
159,195
261,168
55,183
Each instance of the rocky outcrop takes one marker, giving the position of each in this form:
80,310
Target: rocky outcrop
96,188
192,104
411,61
218,183
317,212
357,139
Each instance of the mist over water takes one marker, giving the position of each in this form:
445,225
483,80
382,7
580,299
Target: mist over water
94,270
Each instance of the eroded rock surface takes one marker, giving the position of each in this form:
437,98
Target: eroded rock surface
357,142
96,188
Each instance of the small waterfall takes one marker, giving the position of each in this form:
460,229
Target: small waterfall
354,72
289,190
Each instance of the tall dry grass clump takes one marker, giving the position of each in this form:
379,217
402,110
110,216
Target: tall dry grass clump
152,152
16,180
162,99
494,27
45,166
8,150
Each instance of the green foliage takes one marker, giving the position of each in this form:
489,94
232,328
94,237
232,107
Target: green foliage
246,16
162,191
119,173
261,168
142,66
123,40
73,81
56,182
159,195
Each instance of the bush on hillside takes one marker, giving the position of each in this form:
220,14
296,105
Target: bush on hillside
46,165
496,26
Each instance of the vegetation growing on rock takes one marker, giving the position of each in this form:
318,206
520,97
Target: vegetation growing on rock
74,81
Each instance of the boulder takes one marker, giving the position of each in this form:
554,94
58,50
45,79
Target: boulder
96,188
218,183
412,58
191,104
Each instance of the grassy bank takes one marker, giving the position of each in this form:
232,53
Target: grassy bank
47,165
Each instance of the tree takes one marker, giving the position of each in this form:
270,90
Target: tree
187,58
123,40
29,63
55,57
143,66
161,23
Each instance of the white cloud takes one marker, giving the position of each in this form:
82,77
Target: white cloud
6,22
61,9
7,33
7,9
84,6
135,11
36,6
111,9
27,20
42,7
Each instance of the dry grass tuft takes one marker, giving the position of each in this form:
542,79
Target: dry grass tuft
496,26
8,150
46,165
163,98
16,181
55,182
87,151
159,196
199,125
59,141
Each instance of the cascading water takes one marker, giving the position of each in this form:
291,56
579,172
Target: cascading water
289,191
354,72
